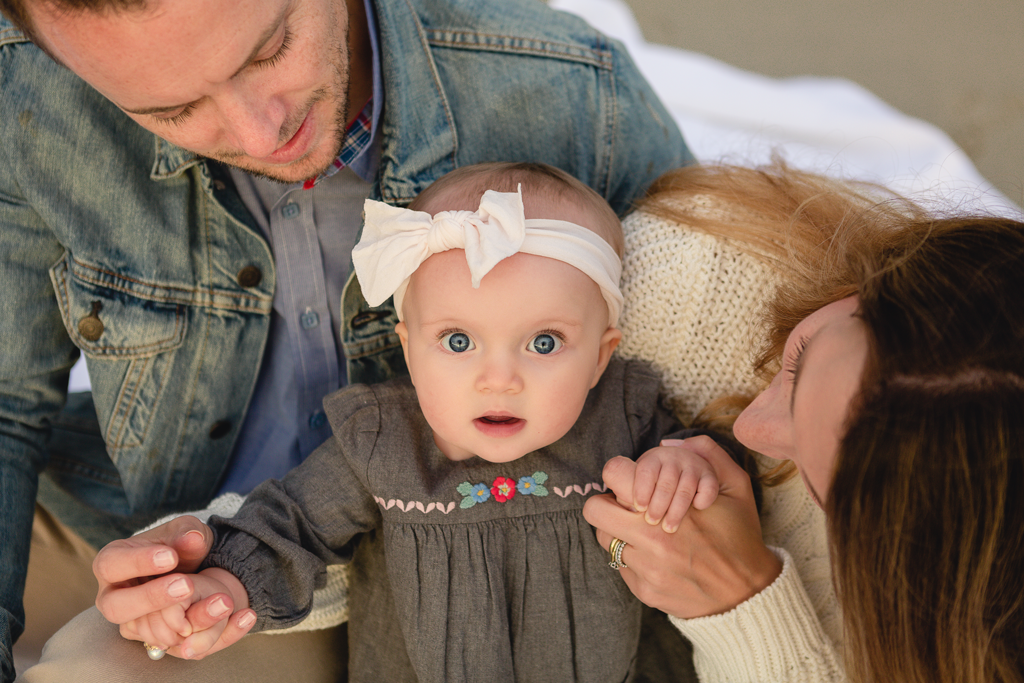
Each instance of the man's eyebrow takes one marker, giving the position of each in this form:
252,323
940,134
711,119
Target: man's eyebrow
261,42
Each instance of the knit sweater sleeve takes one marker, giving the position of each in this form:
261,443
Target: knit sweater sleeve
774,637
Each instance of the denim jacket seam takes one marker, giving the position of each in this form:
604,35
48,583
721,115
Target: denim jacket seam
175,340
601,59
12,36
194,297
122,409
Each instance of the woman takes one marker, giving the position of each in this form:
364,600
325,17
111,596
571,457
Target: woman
897,346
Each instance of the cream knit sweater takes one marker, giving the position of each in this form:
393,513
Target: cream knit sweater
692,303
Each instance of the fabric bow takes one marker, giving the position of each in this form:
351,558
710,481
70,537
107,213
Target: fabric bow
396,241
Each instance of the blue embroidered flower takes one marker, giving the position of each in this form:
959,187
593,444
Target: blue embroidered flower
473,494
503,489
531,486
480,493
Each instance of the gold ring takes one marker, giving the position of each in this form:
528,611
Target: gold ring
154,652
615,550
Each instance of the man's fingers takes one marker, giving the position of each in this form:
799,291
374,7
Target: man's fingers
123,561
120,605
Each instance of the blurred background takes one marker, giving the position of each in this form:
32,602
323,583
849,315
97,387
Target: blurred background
958,64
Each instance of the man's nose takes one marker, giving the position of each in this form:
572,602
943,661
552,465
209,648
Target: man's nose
253,123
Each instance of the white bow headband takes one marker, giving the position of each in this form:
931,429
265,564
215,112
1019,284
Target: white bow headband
396,241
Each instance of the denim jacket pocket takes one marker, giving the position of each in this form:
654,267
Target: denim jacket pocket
126,338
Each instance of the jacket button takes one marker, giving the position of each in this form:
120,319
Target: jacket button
250,276
220,429
91,327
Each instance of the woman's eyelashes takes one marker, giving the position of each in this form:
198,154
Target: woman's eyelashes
792,363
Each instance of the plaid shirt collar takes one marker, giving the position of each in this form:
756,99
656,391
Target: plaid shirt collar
357,139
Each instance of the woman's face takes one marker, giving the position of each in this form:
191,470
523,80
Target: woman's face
801,415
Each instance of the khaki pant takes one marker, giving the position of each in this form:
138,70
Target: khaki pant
88,649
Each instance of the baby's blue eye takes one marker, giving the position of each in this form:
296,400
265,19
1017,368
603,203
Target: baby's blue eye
457,342
544,343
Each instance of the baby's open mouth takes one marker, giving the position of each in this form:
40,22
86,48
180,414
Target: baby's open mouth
499,419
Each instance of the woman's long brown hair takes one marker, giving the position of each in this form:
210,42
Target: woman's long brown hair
925,524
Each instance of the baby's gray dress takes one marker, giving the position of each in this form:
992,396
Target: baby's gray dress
447,582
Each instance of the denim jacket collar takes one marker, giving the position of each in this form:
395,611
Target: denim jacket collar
170,160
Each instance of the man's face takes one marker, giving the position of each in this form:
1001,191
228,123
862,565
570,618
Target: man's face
264,85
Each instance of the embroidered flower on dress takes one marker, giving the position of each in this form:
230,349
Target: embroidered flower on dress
504,489
531,486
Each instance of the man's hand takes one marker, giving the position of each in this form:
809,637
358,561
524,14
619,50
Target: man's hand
147,574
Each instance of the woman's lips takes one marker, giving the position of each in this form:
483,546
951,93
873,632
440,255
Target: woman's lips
499,425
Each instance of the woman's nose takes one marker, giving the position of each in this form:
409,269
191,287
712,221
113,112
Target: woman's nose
765,425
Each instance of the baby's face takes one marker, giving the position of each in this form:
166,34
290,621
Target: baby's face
503,370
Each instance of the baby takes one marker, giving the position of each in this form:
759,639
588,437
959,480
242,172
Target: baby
456,494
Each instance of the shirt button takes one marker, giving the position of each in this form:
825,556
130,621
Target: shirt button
309,319
290,210
317,420
249,277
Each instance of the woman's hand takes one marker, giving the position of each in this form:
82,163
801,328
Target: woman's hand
713,562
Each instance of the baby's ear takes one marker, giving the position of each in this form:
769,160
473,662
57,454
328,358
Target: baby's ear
609,340
403,336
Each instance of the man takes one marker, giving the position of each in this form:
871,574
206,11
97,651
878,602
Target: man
140,222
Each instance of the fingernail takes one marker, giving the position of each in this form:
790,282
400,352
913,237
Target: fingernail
670,529
196,533
247,621
188,652
164,559
217,608
652,522
178,589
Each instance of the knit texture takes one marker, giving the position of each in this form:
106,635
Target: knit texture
693,304
774,636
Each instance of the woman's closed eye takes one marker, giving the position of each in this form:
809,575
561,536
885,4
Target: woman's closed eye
792,363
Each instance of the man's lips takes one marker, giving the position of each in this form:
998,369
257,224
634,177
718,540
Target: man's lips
499,425
296,146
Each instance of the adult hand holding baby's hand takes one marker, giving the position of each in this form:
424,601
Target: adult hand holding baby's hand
146,574
715,560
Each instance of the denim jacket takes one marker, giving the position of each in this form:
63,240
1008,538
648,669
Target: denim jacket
139,254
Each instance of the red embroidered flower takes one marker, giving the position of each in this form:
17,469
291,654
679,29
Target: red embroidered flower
503,489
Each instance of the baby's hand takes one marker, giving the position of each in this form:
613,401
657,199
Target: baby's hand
176,628
668,480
